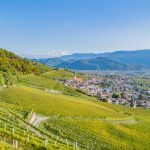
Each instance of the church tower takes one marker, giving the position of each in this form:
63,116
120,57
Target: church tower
75,77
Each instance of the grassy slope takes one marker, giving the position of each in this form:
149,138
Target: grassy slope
92,124
61,74
45,83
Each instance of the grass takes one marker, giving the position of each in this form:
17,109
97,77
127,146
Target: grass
86,122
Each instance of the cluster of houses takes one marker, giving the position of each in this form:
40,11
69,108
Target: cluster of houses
112,89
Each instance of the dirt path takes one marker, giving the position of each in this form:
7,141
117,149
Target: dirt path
127,120
37,119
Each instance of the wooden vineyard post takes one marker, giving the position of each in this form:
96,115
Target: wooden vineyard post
13,143
24,132
4,139
55,143
76,144
28,138
45,141
5,127
16,144
67,142
13,131
27,128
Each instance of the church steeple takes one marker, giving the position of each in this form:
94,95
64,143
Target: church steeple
75,77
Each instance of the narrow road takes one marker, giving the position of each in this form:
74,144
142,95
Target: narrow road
37,119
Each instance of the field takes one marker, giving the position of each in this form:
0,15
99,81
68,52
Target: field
84,123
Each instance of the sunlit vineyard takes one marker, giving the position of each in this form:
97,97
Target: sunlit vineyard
59,74
46,84
16,132
85,123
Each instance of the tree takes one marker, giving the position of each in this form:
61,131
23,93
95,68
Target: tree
123,95
116,96
141,96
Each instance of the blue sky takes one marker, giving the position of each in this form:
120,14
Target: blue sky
47,28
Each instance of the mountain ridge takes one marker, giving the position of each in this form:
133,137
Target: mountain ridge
100,63
138,59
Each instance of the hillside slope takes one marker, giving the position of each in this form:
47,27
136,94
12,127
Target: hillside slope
73,121
9,62
86,124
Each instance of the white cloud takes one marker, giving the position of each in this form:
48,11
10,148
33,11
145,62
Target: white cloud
46,55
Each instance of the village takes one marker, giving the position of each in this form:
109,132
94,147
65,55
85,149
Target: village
114,89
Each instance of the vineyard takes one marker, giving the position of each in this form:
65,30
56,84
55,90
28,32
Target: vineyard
16,132
46,84
73,122
59,74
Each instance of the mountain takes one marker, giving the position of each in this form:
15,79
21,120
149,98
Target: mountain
49,61
140,57
100,63
11,63
78,56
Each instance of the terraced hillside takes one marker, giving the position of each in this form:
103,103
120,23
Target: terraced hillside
17,131
78,122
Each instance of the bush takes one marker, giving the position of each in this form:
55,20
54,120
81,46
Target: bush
9,79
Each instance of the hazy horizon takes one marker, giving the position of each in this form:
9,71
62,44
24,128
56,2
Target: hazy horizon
55,54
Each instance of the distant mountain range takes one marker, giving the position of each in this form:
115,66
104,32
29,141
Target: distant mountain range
119,60
140,57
